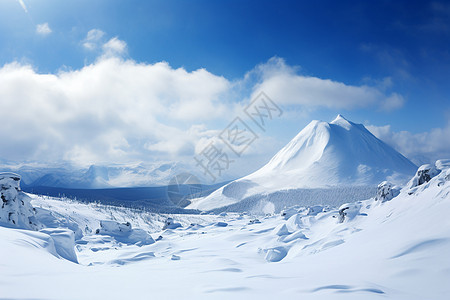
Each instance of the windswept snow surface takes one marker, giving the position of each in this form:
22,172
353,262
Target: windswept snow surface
322,156
381,248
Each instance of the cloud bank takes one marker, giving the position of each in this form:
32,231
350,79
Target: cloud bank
119,110
112,110
421,148
282,81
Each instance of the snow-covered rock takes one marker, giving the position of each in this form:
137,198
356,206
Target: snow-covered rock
349,211
15,210
423,175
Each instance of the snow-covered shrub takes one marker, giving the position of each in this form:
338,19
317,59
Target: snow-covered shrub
15,209
254,221
386,191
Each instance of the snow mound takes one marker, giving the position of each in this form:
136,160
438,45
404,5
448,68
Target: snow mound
171,224
36,245
15,210
64,242
124,233
322,156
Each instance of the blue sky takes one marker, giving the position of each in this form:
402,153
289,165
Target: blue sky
376,50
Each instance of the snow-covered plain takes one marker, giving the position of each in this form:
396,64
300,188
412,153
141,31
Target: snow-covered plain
394,246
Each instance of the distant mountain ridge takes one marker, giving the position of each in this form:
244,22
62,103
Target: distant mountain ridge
100,176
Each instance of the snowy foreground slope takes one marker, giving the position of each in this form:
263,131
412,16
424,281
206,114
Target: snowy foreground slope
322,156
394,246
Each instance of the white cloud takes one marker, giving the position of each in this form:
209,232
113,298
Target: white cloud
111,111
114,47
424,147
93,39
284,84
43,29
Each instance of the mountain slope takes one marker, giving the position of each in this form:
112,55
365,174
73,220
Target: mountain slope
322,155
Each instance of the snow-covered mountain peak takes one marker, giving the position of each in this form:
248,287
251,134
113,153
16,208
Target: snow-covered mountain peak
340,120
339,152
307,147
323,155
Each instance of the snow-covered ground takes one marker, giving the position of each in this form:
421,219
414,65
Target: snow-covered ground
394,246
